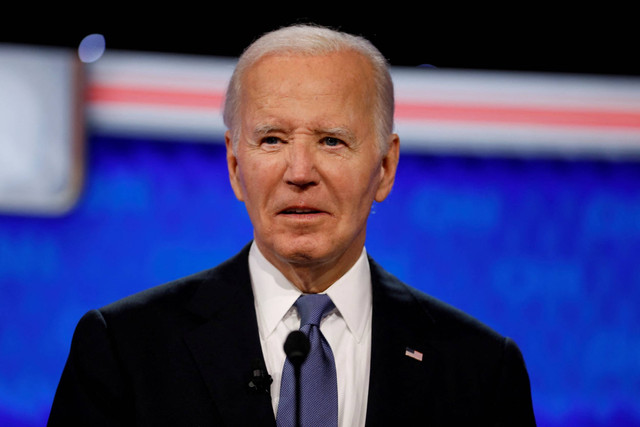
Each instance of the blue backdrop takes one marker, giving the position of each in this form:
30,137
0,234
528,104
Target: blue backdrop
543,250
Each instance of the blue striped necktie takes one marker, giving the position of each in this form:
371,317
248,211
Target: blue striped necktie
318,383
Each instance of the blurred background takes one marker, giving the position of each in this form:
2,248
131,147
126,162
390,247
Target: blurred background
517,197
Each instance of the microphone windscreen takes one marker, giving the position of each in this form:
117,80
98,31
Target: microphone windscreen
296,347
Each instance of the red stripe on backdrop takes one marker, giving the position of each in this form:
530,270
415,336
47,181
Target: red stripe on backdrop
154,96
587,118
523,115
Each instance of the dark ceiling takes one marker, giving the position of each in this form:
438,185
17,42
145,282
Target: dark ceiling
571,41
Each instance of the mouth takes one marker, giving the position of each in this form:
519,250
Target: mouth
302,213
299,211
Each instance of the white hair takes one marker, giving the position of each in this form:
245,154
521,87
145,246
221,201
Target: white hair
313,40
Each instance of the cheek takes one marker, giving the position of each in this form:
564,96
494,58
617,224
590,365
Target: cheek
357,188
257,179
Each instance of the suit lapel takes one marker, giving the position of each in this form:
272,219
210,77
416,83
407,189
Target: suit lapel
226,344
398,384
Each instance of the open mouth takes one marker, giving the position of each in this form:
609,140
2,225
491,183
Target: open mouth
300,211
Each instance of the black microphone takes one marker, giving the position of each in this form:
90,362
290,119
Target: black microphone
260,378
297,347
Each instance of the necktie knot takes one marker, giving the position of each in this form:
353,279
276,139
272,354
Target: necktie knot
313,307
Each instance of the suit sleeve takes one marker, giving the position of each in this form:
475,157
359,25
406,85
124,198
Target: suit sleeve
92,388
514,405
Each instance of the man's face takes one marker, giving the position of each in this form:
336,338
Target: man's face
307,164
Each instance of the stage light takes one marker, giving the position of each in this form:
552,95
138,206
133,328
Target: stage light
91,48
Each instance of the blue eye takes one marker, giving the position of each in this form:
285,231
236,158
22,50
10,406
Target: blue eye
332,142
271,140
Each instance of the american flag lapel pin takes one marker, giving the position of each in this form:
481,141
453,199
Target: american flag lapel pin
414,354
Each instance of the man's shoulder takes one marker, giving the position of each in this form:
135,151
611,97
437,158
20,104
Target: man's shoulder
440,318
182,292
169,293
466,362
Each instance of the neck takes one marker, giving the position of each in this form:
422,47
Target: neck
314,276
312,279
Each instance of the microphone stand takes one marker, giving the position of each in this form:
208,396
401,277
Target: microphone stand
296,347
297,373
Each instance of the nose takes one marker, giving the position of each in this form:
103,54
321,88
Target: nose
301,169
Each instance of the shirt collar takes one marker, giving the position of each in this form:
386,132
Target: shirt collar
274,294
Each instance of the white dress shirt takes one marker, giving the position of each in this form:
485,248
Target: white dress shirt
347,329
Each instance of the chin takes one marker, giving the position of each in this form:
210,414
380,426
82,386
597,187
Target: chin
302,254
303,250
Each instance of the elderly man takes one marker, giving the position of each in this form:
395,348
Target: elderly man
309,148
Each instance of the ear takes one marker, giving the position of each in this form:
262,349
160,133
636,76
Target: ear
388,168
233,167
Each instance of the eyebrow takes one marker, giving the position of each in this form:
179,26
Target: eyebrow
339,132
264,129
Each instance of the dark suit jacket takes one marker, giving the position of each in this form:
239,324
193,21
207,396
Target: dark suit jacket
181,354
